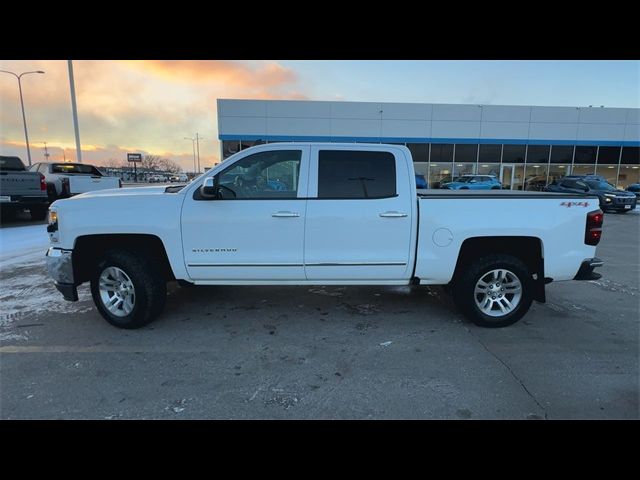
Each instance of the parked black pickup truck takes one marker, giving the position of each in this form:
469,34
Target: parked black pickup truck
21,190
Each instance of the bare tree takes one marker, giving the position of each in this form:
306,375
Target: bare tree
113,163
150,162
169,165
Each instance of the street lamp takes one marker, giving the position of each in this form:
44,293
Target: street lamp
193,142
24,119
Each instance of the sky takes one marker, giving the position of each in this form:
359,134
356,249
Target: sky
150,106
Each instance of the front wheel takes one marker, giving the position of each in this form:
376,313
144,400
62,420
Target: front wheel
127,289
494,291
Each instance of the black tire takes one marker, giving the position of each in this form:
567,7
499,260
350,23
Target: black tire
150,288
464,286
39,213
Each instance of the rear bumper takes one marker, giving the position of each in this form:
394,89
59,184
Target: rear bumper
586,269
60,267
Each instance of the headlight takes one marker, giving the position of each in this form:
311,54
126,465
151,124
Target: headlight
608,200
53,217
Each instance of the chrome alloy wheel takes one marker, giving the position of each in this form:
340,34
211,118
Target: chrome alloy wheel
498,292
117,292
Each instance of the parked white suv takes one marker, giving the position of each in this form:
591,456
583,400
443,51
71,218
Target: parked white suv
327,214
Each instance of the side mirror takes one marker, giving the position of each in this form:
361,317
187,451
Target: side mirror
209,189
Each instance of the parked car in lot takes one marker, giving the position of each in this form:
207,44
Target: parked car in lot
421,182
157,178
67,179
350,216
473,182
179,177
635,189
21,189
611,199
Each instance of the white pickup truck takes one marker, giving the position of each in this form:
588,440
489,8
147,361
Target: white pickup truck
68,179
320,213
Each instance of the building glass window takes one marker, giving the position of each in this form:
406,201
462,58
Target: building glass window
466,153
585,155
422,171
489,169
230,147
609,155
610,172
535,178
460,169
439,173
538,154
631,155
513,153
419,151
518,177
628,174
561,154
556,172
583,170
356,175
442,153
492,153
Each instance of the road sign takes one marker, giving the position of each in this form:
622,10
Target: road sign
134,157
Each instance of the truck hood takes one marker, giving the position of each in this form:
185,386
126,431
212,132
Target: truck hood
117,192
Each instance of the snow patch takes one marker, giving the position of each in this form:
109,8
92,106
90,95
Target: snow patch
22,243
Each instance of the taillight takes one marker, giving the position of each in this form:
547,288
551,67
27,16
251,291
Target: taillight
43,184
593,231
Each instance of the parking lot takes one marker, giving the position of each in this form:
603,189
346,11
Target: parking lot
320,352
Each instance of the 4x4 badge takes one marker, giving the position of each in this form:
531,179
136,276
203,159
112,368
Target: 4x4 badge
574,204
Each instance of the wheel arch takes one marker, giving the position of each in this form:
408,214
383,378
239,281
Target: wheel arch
89,249
529,250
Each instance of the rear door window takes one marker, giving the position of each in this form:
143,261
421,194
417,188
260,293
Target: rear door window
356,174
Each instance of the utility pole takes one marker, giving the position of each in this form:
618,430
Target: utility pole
75,110
193,144
198,138
46,152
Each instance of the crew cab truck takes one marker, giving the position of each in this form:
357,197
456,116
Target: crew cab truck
346,214
22,190
67,179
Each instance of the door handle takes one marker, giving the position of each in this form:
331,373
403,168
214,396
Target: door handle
285,214
393,214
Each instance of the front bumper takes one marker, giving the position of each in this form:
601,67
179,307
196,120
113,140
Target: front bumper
60,267
586,269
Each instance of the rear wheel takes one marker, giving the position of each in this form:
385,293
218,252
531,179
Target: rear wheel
127,289
494,291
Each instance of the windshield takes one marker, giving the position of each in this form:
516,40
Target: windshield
11,163
598,185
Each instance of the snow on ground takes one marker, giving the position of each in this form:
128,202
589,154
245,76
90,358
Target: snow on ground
20,244
25,287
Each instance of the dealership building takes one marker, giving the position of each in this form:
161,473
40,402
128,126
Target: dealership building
525,146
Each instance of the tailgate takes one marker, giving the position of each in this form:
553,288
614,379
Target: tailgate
24,184
89,183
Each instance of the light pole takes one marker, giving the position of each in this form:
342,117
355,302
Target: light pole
198,138
24,119
193,143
